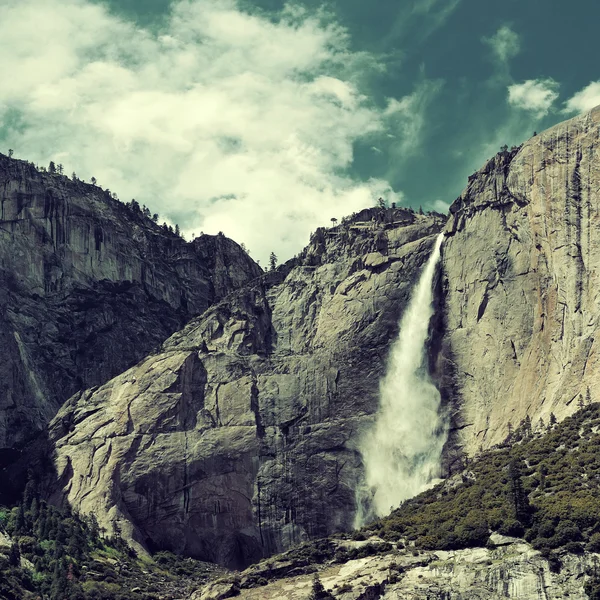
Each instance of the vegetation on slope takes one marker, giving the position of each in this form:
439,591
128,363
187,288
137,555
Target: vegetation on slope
542,486
545,488
57,555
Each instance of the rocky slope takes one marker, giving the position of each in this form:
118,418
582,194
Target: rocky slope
88,286
521,279
510,569
457,539
238,439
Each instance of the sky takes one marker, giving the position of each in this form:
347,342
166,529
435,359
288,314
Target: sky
265,119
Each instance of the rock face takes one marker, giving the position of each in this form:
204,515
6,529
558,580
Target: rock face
513,570
238,439
521,286
88,286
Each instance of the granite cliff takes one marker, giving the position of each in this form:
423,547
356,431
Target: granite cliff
521,271
509,568
238,438
89,286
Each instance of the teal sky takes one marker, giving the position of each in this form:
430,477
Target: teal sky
470,114
450,81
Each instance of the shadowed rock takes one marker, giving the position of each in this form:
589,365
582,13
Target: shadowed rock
238,439
88,287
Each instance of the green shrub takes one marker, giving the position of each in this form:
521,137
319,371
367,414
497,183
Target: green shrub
535,489
594,543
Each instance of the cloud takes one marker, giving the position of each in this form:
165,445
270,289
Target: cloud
223,120
417,21
505,44
441,206
534,95
585,99
407,117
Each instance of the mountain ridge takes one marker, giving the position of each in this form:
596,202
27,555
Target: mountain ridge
89,286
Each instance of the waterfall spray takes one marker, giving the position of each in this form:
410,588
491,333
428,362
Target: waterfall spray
401,452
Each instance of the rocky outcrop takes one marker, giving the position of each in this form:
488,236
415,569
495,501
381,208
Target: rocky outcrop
510,570
238,439
521,286
89,286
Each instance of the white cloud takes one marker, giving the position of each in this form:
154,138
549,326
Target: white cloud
505,43
585,99
441,206
407,116
223,121
534,95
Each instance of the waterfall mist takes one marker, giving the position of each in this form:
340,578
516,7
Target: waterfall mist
401,452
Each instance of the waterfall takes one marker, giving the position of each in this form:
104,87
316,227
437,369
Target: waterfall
401,452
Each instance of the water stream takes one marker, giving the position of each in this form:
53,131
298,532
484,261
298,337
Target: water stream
402,451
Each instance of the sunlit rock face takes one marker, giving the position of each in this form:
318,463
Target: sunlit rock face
521,285
239,438
510,570
87,288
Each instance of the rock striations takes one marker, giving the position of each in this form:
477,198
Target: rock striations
522,278
238,439
508,568
89,286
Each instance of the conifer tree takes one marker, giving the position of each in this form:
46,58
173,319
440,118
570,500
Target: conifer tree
14,556
518,496
273,261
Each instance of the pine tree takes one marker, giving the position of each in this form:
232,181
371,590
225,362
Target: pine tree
93,528
52,167
14,556
41,528
29,494
60,583
543,471
318,591
273,261
527,426
19,525
518,496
